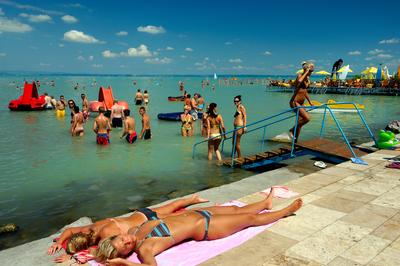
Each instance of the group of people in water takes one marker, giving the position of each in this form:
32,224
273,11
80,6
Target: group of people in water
148,232
118,117
212,125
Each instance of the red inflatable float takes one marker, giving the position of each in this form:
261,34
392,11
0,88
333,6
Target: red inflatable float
30,100
106,100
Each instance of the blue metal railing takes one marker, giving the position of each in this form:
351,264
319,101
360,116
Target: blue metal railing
297,109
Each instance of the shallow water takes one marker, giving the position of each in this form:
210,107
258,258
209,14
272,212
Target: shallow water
49,179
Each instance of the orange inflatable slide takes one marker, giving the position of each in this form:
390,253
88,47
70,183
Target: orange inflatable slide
106,100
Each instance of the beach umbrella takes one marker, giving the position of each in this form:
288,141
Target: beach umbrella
365,71
372,70
398,72
323,72
345,68
299,71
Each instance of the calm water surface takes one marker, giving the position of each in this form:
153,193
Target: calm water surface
49,179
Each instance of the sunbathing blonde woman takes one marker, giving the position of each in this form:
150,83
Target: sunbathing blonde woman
154,237
83,237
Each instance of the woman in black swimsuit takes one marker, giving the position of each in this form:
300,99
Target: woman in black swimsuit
153,237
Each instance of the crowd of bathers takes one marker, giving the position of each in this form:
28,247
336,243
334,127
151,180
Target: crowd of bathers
356,82
106,120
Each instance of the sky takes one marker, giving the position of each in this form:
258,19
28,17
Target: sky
196,37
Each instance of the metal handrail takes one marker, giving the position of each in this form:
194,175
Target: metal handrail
296,110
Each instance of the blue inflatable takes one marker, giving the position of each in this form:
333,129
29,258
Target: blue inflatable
174,116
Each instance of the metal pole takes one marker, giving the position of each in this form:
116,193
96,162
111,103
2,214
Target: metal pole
323,124
342,132
263,140
294,132
233,147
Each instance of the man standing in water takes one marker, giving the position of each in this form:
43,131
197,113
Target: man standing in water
336,66
85,106
117,113
102,127
60,107
300,94
146,131
129,128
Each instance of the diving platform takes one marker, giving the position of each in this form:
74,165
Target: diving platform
326,149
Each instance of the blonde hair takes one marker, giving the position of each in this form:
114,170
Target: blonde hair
80,241
106,250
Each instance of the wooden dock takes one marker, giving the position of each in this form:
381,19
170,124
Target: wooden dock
327,149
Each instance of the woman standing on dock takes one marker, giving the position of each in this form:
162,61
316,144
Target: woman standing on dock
215,129
239,123
300,94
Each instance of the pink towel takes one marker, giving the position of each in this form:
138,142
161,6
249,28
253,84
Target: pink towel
281,192
194,252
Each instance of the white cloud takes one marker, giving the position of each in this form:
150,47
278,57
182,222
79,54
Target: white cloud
122,33
81,58
158,61
44,64
228,43
375,51
267,53
188,49
3,54
141,51
109,54
151,29
1,12
169,48
61,45
36,18
384,56
8,25
91,58
69,19
183,56
79,36
239,67
235,60
355,52
29,7
390,41
97,65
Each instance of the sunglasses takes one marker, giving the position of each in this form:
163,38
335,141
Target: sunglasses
236,101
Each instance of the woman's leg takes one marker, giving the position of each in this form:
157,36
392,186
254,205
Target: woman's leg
210,149
179,204
216,146
225,225
304,118
265,204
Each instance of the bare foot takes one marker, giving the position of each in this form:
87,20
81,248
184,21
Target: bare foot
268,200
292,208
197,199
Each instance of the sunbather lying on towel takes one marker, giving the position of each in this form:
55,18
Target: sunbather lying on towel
83,237
153,237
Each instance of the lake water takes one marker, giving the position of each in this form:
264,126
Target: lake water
49,179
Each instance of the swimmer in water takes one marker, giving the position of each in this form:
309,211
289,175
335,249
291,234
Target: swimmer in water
129,128
102,127
77,123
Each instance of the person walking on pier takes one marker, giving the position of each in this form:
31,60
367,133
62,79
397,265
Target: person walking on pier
299,96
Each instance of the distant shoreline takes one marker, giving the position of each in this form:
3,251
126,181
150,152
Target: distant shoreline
25,73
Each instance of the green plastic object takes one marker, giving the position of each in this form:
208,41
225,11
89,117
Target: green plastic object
387,140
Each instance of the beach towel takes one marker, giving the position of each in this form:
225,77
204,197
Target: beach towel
195,252
282,192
